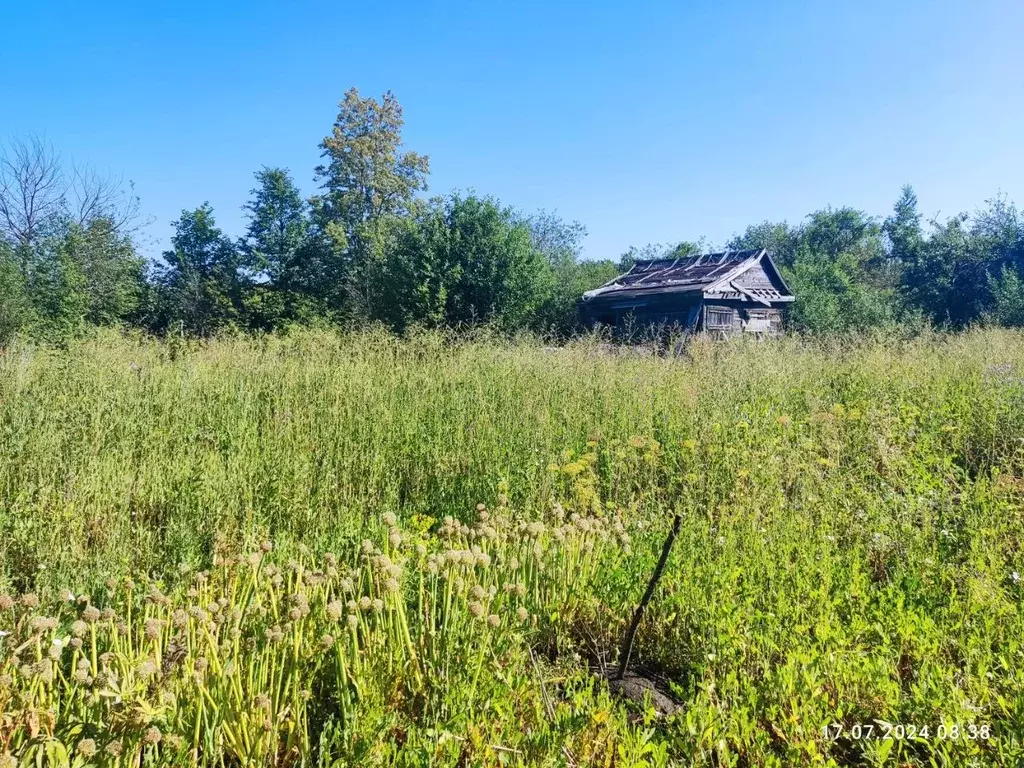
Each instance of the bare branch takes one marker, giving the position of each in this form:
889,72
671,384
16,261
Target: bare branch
32,188
37,192
92,195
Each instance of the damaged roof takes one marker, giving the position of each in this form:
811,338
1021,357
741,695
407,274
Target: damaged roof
711,274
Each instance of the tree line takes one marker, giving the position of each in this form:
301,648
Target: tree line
370,247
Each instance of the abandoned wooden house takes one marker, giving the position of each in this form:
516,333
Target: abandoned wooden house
724,293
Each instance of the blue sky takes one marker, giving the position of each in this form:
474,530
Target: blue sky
646,121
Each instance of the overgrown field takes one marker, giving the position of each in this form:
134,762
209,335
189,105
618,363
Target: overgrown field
360,550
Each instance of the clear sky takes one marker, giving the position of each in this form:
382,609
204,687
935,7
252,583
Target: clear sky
646,121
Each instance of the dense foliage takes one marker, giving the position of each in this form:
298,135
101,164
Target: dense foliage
369,247
849,552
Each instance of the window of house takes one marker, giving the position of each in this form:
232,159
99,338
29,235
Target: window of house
719,317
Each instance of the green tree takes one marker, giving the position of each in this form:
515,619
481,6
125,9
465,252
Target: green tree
999,231
465,260
57,290
948,278
836,265
565,277
1007,298
367,182
831,232
833,296
69,237
652,251
903,228
111,274
780,239
278,226
15,308
200,288
964,271
279,253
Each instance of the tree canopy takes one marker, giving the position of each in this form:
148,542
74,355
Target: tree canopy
369,247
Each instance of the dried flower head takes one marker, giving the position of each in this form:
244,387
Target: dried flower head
152,629
522,614
353,621
476,609
389,518
494,620
326,642
198,613
6,602
266,546
56,649
86,748
30,600
44,670
378,605
147,668
152,735
274,634
41,624
334,610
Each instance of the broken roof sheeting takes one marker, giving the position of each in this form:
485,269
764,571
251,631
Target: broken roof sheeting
691,273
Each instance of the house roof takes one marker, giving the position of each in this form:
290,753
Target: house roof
710,274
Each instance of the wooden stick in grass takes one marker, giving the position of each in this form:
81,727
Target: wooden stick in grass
659,569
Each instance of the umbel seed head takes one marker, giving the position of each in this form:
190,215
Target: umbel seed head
87,748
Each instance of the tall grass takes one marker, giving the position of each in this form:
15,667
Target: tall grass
850,549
